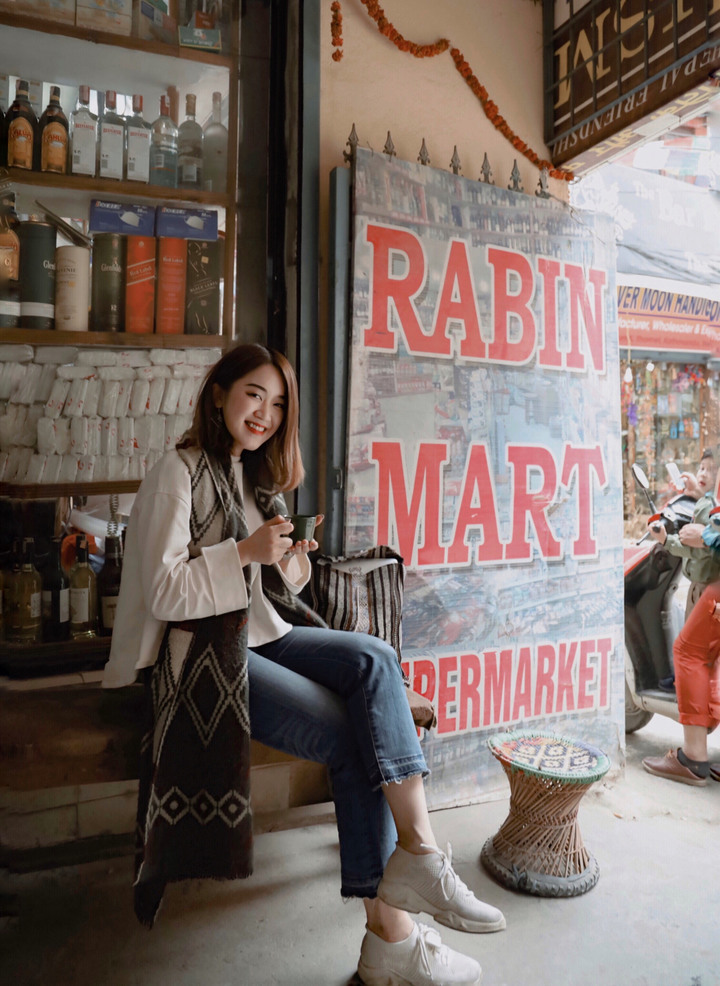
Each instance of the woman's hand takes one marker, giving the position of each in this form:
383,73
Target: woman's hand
302,547
268,544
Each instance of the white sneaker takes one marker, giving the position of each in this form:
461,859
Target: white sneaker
428,883
420,960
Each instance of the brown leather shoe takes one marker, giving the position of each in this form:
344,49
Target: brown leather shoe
715,771
669,766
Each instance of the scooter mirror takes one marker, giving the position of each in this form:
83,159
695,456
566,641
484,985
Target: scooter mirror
640,476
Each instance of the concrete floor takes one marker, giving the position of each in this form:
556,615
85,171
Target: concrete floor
652,920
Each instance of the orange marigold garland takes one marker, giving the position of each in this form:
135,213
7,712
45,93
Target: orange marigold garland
336,30
429,51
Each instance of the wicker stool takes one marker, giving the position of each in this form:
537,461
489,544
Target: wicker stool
539,848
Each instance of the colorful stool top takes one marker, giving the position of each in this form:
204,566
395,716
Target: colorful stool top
550,756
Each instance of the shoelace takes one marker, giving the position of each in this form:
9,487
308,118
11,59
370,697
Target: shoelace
449,880
429,940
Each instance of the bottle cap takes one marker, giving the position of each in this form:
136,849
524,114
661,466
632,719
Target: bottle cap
111,98
84,94
137,103
190,104
55,92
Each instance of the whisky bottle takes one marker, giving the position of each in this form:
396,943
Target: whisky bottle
21,126
83,595
83,135
108,584
111,140
55,596
190,148
54,137
24,598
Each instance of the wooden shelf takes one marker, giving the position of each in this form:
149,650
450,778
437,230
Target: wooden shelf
119,340
108,188
48,26
53,657
52,491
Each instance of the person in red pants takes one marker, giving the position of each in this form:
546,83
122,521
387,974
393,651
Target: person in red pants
695,654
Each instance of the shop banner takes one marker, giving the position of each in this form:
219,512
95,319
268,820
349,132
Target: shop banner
664,321
484,447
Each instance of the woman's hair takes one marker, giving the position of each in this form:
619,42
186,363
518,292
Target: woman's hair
278,462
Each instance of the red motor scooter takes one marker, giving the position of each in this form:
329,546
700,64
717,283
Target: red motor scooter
654,613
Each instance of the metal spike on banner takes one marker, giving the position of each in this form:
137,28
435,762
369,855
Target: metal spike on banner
424,156
389,147
486,172
542,192
455,162
352,142
515,182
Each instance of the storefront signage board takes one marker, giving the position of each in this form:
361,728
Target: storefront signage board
664,321
484,446
614,72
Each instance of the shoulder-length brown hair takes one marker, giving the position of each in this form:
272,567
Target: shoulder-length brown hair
278,462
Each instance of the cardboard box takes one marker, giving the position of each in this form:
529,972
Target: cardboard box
202,289
140,270
171,279
53,10
114,16
120,217
187,224
209,39
152,24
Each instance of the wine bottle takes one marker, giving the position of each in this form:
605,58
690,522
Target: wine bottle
55,596
24,597
83,135
164,148
108,584
111,140
83,595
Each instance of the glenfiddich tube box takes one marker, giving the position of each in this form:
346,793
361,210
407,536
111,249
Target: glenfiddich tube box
202,291
171,279
140,284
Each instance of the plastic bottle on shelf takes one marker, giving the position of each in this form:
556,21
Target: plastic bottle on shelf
137,147
54,138
111,139
83,135
21,126
190,148
215,149
164,148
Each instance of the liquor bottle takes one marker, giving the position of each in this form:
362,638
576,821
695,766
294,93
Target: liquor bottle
21,125
3,140
164,148
111,139
24,597
190,148
55,596
108,584
83,135
83,595
53,130
137,145
215,149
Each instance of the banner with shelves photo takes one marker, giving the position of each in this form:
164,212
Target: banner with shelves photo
484,446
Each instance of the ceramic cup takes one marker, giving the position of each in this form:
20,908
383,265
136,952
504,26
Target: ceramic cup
303,527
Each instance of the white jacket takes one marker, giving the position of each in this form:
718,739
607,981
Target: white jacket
160,582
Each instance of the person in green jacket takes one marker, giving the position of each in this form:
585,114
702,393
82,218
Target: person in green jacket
700,565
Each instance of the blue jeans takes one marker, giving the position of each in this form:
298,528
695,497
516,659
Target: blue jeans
338,698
